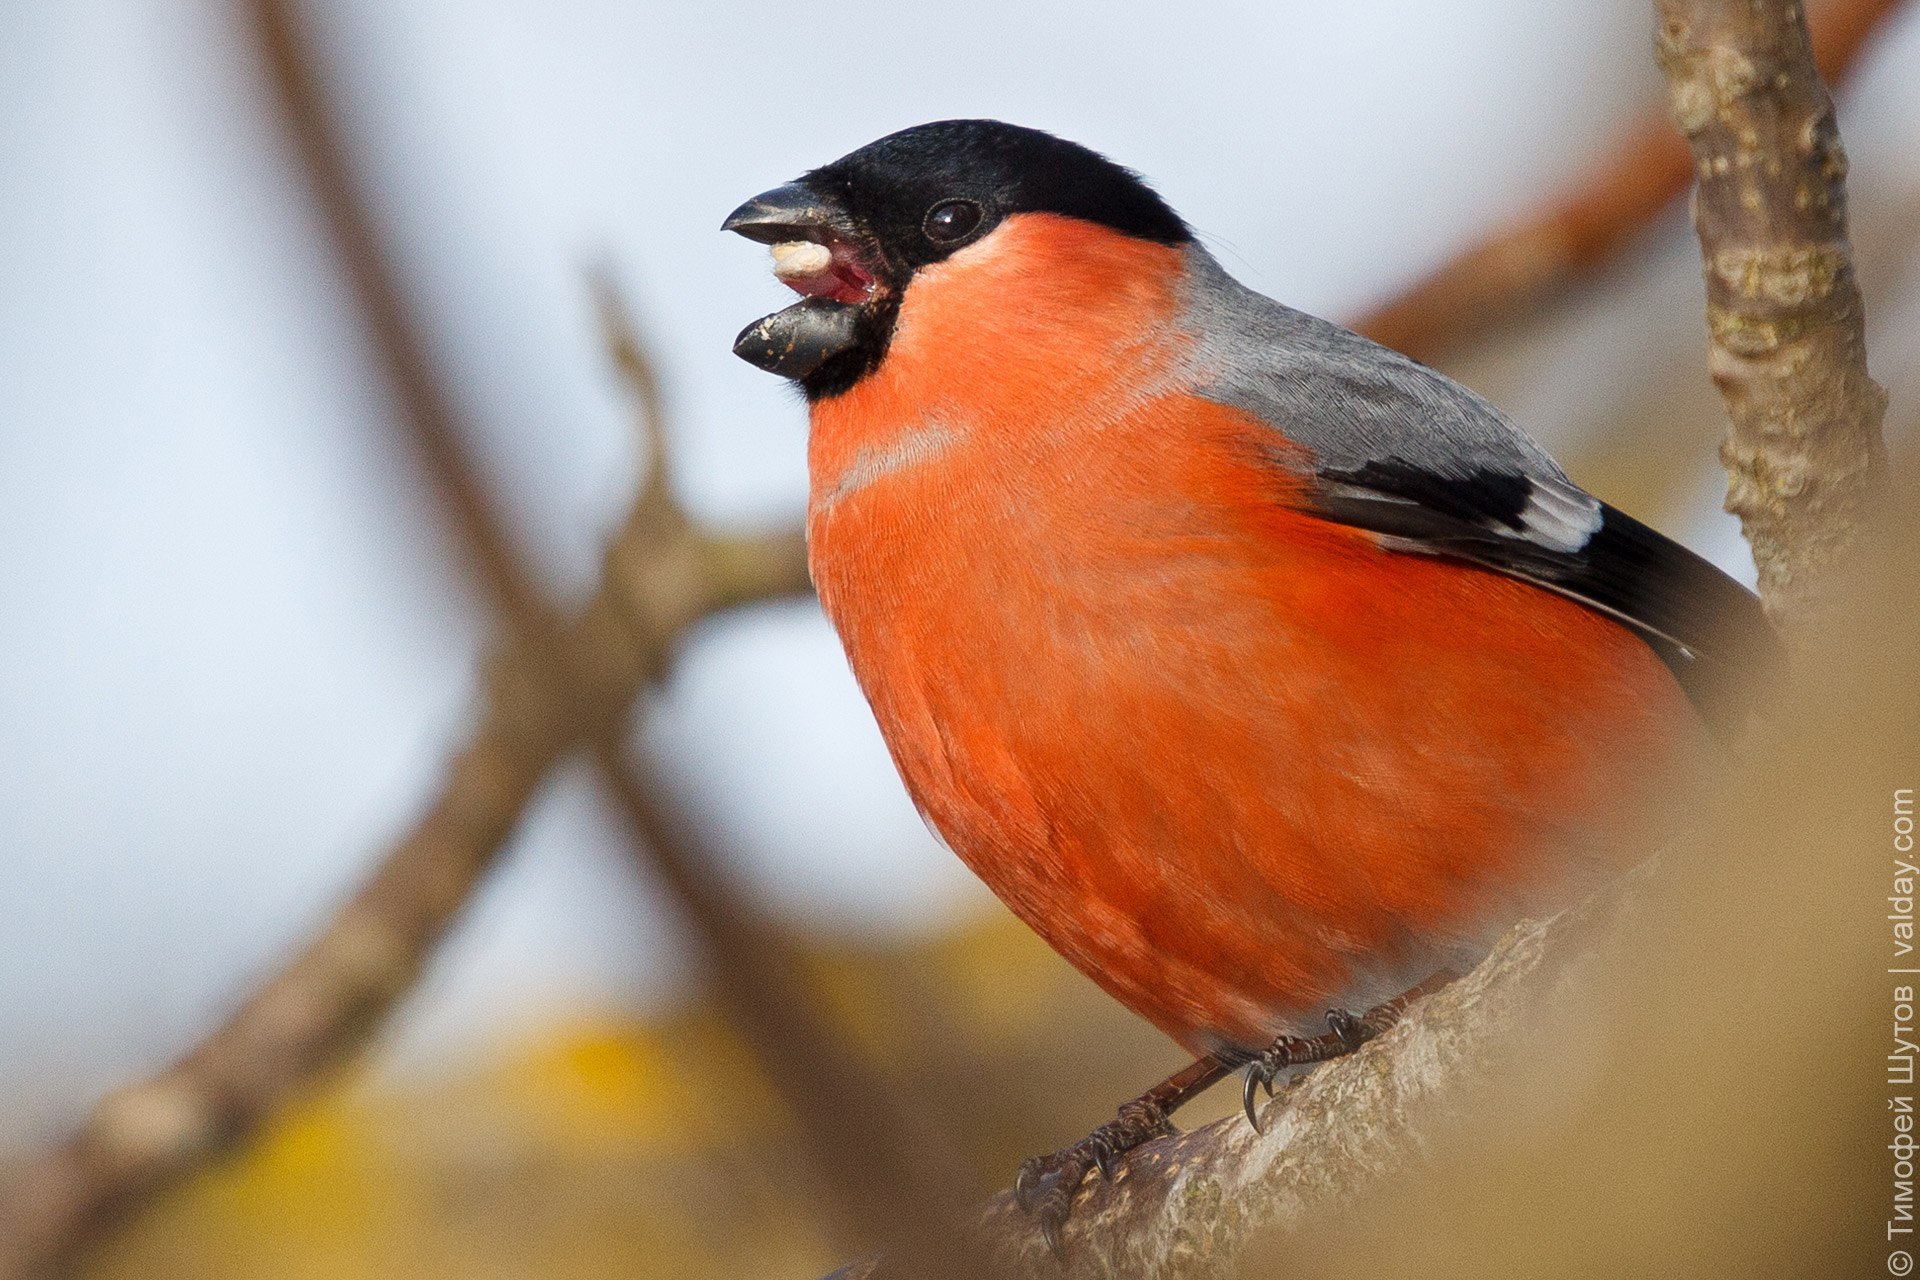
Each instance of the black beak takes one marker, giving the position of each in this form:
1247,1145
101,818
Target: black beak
795,342
792,212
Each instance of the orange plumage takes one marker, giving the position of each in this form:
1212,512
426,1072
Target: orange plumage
1235,761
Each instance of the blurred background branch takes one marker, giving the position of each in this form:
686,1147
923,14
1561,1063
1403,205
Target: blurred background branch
557,686
885,1174
662,574
1500,281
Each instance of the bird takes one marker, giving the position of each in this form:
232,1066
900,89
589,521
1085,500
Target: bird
1264,672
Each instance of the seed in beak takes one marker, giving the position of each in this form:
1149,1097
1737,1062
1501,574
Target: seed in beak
798,259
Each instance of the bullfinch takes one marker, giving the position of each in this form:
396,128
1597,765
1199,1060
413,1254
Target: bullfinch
1261,670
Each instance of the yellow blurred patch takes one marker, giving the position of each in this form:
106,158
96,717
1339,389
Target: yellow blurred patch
609,1146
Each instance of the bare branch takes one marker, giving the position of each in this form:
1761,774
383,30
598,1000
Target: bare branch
1501,279
885,1174
661,575
1804,451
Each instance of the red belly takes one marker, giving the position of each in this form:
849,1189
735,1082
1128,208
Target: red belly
1235,763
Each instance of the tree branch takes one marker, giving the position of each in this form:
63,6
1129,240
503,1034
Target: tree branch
868,1150
661,575
556,685
1803,450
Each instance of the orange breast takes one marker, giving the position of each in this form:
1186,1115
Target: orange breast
1234,762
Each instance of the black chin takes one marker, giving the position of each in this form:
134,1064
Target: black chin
796,342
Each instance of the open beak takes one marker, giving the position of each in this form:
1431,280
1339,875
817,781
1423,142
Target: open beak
814,255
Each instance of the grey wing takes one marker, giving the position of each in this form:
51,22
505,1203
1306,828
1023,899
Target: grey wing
1404,451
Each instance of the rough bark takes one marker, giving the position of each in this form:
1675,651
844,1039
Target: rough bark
1803,450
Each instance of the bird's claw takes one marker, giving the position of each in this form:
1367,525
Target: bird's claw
1047,1185
1346,1033
1351,1031
1026,1183
1053,1217
1284,1052
1105,1157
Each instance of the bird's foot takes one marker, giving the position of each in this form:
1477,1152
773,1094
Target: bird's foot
1047,1184
1346,1032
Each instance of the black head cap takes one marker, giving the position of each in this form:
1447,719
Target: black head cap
895,186
913,198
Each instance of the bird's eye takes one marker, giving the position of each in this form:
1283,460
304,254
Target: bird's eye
951,220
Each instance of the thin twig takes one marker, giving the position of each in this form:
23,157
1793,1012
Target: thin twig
661,576
1503,277
1803,451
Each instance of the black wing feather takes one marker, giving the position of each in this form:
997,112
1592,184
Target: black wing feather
1706,627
